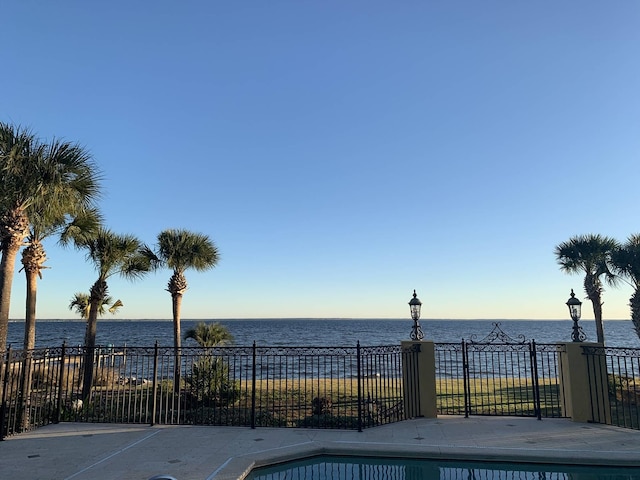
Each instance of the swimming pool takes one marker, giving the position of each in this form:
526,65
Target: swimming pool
364,468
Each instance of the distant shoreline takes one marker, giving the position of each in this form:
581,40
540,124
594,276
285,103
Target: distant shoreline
319,319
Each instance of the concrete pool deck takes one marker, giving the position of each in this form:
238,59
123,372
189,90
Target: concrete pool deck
77,451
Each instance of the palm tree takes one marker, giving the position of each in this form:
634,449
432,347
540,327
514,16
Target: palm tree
626,262
209,334
111,254
19,186
66,208
43,187
180,250
80,303
590,254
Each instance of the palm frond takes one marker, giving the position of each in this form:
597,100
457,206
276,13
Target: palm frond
85,225
590,254
626,260
181,249
209,334
116,305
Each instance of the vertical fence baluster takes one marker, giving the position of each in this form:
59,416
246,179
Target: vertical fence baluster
61,374
465,380
154,388
253,388
359,385
5,387
536,382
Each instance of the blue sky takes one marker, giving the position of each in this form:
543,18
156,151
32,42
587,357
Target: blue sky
341,153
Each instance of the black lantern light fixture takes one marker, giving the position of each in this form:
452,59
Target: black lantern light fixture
575,307
414,306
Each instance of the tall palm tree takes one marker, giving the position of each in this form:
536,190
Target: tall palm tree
65,208
47,220
19,186
44,186
626,262
44,224
111,254
80,303
209,334
180,250
590,254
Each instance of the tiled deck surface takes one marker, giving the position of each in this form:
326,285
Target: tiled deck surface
100,452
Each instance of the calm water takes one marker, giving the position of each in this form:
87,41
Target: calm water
319,332
357,468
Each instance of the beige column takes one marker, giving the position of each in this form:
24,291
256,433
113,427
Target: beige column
419,379
584,391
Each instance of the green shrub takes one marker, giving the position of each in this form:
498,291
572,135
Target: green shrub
209,382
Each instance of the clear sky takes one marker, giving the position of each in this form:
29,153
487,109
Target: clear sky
340,153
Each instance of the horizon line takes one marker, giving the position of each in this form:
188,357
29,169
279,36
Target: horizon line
314,319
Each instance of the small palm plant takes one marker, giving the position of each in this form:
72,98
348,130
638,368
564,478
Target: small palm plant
209,334
81,304
209,381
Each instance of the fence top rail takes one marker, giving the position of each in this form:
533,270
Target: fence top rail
266,350
611,351
223,350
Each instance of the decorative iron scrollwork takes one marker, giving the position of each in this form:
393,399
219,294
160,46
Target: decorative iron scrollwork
497,335
380,350
413,348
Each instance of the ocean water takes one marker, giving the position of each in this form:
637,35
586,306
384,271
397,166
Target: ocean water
320,332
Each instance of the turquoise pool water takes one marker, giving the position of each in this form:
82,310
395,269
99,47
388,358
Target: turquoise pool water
362,468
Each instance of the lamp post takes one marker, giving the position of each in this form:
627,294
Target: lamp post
414,306
575,306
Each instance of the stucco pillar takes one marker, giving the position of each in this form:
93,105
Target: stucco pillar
584,391
419,379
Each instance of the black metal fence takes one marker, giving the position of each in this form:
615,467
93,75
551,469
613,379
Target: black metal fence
487,378
322,387
618,370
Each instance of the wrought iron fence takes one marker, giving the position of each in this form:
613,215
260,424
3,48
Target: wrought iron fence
498,379
513,378
618,371
322,387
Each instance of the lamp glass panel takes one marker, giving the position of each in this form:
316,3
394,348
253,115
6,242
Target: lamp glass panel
574,311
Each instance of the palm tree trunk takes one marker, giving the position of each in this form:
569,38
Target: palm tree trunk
10,248
597,315
177,340
89,353
7,268
98,293
593,289
29,344
14,228
634,303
